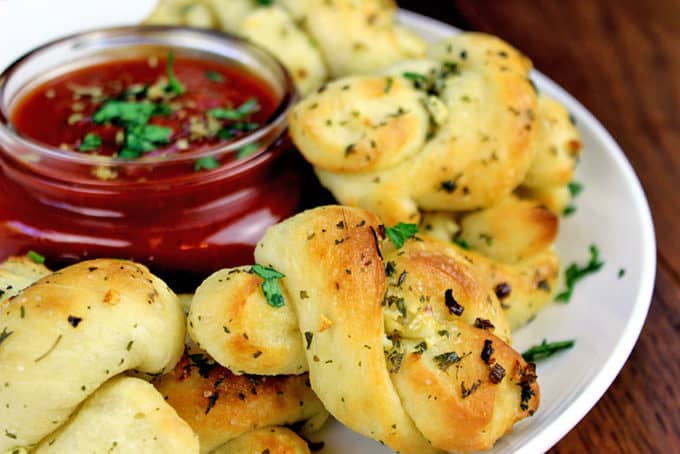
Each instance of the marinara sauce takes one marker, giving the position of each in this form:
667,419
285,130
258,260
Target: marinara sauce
173,160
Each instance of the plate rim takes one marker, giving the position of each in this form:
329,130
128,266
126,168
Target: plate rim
566,420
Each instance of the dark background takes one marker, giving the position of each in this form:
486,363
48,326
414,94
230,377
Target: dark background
621,59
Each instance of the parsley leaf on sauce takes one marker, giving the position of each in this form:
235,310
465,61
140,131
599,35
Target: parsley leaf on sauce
400,233
546,349
141,139
174,85
90,142
270,286
214,76
575,273
248,107
124,112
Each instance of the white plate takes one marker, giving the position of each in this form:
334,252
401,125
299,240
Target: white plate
605,314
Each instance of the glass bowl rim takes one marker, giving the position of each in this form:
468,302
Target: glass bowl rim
277,119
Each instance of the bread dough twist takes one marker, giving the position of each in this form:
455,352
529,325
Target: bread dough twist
409,347
222,407
314,39
73,330
475,97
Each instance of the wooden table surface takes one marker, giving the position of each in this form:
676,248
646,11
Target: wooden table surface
621,59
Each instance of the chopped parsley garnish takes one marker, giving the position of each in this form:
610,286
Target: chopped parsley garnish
445,360
264,2
388,84
90,142
214,76
203,363
569,210
546,349
416,78
400,233
308,338
575,188
575,273
5,334
44,355
622,272
142,139
206,163
462,243
248,107
125,112
35,257
270,285
421,347
247,150
174,85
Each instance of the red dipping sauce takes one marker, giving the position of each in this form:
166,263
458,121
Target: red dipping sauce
182,168
67,106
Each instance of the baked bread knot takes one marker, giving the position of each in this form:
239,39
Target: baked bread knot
70,332
314,39
513,242
124,415
221,406
356,36
390,336
476,102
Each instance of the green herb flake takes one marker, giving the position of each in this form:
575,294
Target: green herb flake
203,363
35,257
569,210
388,84
206,163
415,77
546,349
142,139
462,243
214,76
247,150
90,142
445,360
174,85
622,272
44,355
400,233
308,338
270,285
124,112
575,188
575,273
5,334
421,347
245,109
